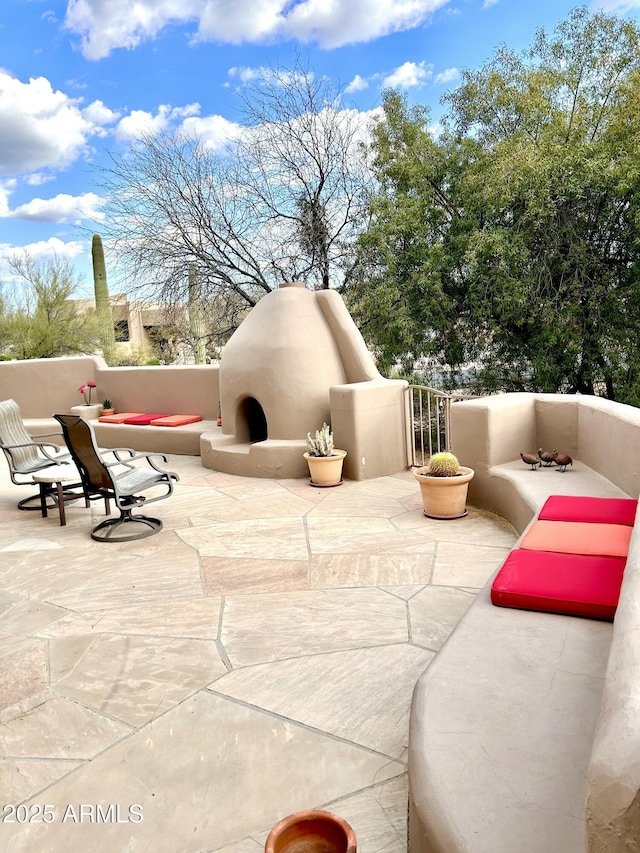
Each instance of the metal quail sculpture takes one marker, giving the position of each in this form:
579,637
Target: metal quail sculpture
562,460
530,459
547,457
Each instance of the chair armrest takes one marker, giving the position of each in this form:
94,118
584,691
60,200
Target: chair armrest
139,457
41,444
45,435
116,451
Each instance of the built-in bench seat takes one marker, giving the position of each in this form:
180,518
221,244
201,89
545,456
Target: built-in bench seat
184,439
525,728
44,387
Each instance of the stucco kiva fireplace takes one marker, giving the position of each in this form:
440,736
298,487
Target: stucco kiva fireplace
296,361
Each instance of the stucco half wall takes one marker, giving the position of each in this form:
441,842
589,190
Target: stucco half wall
297,361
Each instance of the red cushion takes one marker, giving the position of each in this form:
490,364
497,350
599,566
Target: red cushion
604,510
145,419
118,419
578,537
176,420
574,584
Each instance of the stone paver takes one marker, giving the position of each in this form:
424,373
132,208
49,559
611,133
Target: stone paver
255,657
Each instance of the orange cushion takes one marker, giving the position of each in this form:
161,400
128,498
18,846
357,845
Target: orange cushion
578,537
118,419
176,420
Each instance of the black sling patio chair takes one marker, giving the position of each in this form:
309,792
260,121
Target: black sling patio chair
122,480
26,454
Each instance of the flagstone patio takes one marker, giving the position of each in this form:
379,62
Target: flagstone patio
254,658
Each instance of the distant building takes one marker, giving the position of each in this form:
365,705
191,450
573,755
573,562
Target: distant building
140,327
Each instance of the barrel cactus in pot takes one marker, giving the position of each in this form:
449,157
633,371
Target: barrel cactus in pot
444,484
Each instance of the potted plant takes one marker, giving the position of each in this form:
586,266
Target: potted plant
86,390
87,409
444,484
311,831
107,408
324,460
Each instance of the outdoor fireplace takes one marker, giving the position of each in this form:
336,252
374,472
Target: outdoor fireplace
298,361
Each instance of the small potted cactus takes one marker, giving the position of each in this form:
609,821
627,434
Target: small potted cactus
324,460
444,484
107,408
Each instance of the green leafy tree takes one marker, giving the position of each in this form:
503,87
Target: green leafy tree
44,322
404,285
527,220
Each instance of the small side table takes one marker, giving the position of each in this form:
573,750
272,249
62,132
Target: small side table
57,475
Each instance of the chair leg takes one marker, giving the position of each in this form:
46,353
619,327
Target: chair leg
34,502
120,529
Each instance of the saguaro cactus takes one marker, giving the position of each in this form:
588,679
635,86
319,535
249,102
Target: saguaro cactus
196,318
103,304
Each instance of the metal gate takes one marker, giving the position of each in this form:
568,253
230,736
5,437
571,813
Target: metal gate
428,420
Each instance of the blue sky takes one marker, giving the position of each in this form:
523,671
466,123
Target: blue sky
78,79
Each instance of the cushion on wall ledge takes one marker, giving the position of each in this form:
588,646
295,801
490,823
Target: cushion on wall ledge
145,419
118,419
176,420
573,584
578,537
580,508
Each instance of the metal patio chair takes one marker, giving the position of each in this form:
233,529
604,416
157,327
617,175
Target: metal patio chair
26,454
122,480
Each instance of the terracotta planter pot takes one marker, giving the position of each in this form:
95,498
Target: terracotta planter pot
104,412
311,831
326,470
444,497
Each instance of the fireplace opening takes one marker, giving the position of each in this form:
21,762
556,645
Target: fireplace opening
255,420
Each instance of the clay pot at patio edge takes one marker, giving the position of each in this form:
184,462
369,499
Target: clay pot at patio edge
326,470
311,831
444,497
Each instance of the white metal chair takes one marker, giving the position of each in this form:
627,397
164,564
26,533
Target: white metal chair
26,454
124,480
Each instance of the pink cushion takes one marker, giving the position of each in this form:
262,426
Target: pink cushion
604,510
176,420
145,419
118,419
578,537
573,584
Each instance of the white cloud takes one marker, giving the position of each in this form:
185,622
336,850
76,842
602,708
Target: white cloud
245,74
36,179
446,76
43,250
619,6
489,3
105,25
62,208
6,188
39,127
98,114
140,123
238,21
408,75
352,21
357,84
214,130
